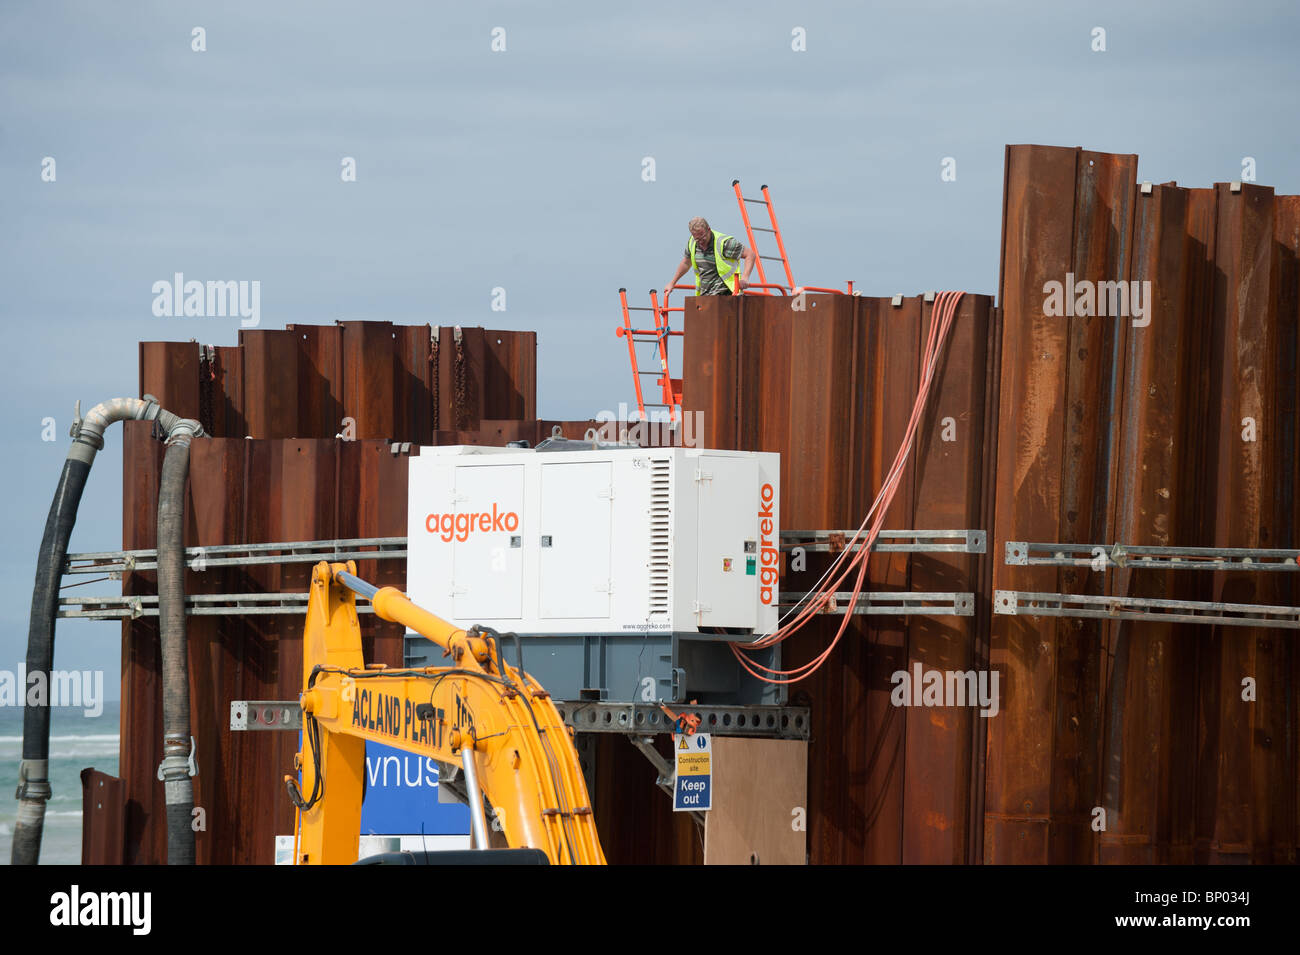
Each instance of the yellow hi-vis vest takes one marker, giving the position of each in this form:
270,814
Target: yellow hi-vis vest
726,267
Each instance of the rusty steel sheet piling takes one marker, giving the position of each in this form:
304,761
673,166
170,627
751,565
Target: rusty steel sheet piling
831,387
1038,209
948,493
1146,702
1151,753
1251,774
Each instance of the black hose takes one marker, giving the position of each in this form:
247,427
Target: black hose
499,639
519,650
178,785
87,440
33,781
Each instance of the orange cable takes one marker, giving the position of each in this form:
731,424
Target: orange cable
943,313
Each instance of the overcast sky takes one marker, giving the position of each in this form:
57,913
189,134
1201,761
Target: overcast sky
525,168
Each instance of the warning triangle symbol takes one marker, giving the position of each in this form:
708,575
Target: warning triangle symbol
682,744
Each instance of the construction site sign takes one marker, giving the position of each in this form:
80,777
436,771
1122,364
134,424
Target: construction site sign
693,786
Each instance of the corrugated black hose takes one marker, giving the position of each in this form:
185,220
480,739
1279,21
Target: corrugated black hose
178,785
33,773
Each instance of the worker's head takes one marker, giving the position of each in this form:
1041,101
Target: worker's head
699,229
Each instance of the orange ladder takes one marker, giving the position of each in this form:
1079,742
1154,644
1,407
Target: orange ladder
763,287
775,231
670,388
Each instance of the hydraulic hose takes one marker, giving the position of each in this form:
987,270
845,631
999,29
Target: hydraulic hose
33,771
178,786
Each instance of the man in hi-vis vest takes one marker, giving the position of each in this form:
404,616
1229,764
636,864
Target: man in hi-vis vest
715,257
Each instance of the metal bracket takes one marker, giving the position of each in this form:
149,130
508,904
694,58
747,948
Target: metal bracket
647,719
972,541
667,778
890,603
265,715
242,555
196,605
1143,557
666,773
1023,603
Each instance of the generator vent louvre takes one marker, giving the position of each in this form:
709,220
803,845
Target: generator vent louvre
660,521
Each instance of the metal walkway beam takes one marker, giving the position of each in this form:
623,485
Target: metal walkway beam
1139,557
890,603
889,542
1025,604
630,719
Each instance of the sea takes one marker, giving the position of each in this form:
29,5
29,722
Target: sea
77,741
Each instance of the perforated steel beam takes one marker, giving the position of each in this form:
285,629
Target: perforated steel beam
892,603
1131,556
630,719
1026,604
907,542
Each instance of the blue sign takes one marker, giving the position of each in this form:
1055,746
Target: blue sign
402,796
693,786
693,793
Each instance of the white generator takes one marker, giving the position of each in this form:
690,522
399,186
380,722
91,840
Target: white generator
612,540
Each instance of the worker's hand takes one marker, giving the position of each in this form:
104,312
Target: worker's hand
744,284
663,299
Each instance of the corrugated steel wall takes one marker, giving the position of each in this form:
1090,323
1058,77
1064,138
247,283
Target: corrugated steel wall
831,389
1070,429
1180,432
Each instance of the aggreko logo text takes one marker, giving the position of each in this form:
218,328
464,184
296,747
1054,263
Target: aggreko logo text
770,553
462,525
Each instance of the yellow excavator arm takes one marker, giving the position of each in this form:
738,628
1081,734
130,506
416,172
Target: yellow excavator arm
481,715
